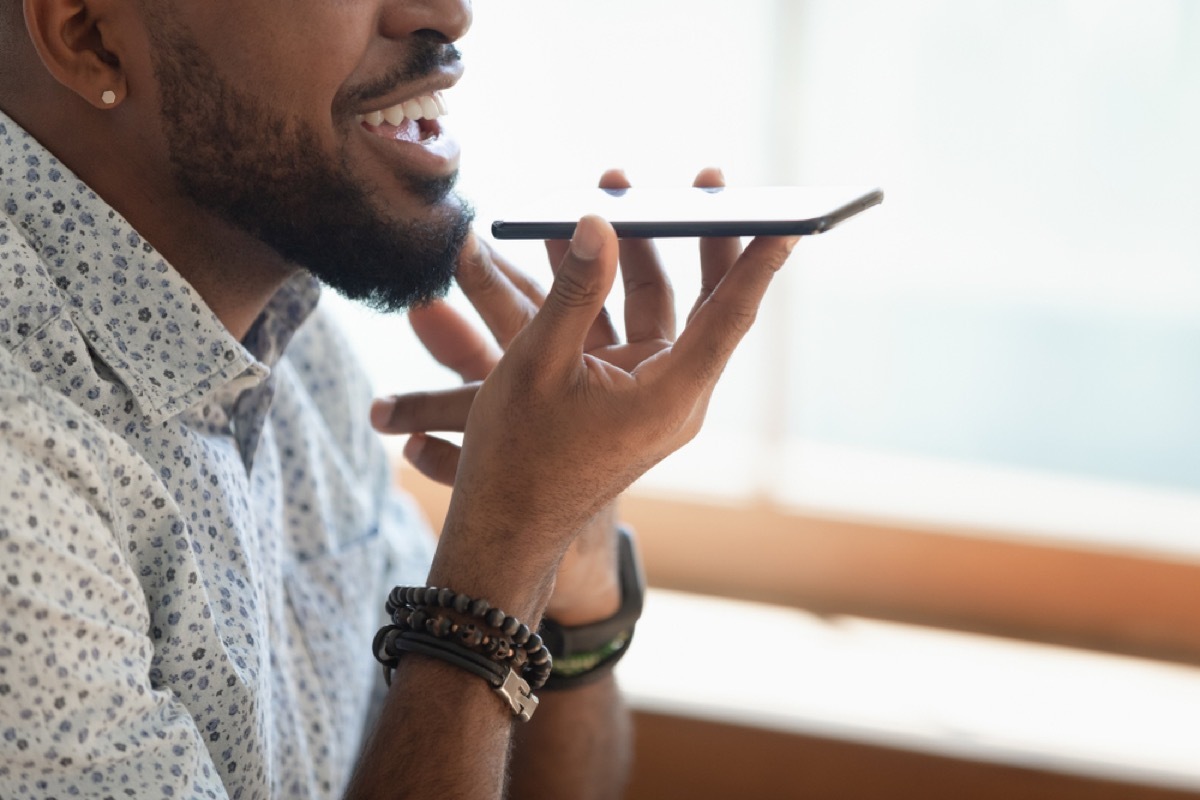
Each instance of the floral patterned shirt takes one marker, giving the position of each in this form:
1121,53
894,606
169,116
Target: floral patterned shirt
196,534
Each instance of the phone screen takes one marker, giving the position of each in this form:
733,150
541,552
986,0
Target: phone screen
654,212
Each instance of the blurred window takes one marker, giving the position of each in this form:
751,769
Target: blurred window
1022,312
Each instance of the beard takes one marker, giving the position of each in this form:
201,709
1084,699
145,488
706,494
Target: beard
265,174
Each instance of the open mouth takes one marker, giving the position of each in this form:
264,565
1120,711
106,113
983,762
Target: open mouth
414,120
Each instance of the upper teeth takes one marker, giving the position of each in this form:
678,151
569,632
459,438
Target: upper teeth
430,106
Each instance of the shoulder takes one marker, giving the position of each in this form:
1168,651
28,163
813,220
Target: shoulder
43,431
67,482
29,406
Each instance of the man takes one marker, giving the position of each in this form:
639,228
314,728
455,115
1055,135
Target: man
195,517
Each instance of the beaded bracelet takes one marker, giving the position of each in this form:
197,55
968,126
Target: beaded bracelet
498,648
509,640
513,659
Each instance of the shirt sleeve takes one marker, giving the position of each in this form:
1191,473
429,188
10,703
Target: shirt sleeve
79,714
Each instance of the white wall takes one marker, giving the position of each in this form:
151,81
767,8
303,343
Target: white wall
1028,295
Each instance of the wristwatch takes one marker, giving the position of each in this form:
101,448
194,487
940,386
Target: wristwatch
584,653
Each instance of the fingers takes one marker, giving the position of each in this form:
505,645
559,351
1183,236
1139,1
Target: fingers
717,255
649,299
434,458
603,332
453,341
504,298
556,251
718,324
581,284
520,281
418,412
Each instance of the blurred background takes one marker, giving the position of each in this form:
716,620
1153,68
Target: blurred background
960,452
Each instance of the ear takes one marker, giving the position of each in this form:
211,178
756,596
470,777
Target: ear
77,42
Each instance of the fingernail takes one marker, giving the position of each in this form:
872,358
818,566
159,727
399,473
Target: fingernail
381,412
413,447
587,241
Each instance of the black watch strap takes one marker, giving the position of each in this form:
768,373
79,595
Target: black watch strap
583,653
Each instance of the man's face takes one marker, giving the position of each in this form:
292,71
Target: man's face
267,109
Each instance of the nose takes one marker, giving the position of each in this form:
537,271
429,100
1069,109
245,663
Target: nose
449,19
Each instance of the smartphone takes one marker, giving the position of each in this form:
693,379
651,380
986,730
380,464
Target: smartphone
660,212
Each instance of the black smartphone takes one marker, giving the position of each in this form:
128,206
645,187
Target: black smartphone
661,212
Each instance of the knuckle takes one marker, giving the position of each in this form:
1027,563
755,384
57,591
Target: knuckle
483,279
526,376
739,317
773,256
634,286
437,462
662,421
476,272
655,292
690,428
742,320
573,292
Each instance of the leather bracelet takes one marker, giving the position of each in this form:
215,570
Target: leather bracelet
505,681
585,653
427,645
417,608
510,657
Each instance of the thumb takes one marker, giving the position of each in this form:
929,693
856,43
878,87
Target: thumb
580,288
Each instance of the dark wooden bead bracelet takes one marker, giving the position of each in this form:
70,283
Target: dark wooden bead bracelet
437,623
507,640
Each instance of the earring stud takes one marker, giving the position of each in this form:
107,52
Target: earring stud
109,97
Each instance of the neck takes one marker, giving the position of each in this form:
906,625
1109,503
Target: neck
234,273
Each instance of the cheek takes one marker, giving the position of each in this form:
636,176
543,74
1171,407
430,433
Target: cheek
296,62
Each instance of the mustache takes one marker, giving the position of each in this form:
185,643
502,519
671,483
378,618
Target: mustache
428,55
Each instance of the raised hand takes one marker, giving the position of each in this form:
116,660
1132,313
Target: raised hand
570,416
506,300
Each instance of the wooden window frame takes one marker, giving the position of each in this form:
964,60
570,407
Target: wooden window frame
954,577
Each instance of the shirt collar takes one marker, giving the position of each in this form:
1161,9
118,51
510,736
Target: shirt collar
140,315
